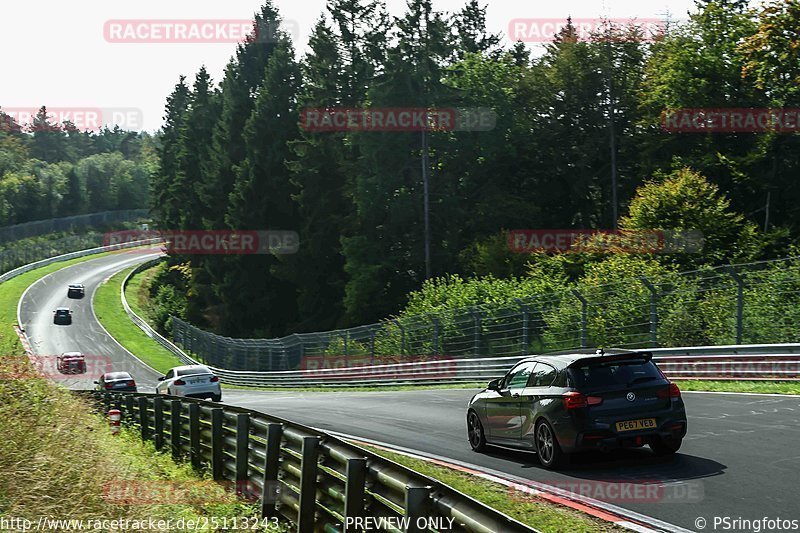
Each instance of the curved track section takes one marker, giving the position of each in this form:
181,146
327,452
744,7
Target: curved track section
85,334
740,458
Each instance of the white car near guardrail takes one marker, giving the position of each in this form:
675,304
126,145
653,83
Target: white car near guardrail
191,381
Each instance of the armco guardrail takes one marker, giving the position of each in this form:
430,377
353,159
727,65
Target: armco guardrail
762,362
72,255
316,481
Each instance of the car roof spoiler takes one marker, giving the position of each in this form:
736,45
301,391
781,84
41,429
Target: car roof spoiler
610,358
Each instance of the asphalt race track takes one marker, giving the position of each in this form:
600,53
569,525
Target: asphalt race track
740,458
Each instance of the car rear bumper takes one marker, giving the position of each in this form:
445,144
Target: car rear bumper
577,435
202,391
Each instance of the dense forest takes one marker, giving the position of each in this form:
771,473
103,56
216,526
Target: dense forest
50,170
233,156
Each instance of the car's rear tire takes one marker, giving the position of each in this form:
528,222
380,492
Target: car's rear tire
216,398
668,446
477,439
547,448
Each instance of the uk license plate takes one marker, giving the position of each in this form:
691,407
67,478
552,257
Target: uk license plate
195,381
633,425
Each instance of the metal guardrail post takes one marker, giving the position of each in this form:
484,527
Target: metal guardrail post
142,405
195,453
653,310
175,407
476,331
271,469
106,403
129,407
525,326
584,317
436,335
217,444
372,345
740,285
306,515
416,506
356,476
346,343
242,451
158,423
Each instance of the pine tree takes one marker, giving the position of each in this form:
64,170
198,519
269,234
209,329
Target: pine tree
166,207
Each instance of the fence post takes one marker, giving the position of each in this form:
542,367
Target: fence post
346,343
739,301
306,515
402,337
158,421
129,406
436,335
242,451
525,326
584,313
175,407
476,331
217,444
142,405
195,453
372,345
653,310
416,506
272,455
356,473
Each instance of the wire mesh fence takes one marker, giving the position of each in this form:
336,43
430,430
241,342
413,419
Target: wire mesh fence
749,303
68,224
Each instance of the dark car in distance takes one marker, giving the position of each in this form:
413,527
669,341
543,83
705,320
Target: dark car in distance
557,405
116,381
63,316
75,290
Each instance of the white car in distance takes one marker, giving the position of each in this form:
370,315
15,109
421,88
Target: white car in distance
192,381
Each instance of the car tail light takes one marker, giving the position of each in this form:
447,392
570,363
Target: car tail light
131,383
109,385
576,400
214,379
671,391
179,382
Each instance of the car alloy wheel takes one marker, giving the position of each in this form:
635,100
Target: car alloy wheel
477,440
550,454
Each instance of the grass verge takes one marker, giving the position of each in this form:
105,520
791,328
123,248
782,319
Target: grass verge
58,460
528,509
761,387
110,313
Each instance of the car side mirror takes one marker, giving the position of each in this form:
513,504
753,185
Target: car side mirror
161,378
493,385
96,382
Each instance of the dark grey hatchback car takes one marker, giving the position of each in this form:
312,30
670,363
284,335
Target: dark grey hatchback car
560,404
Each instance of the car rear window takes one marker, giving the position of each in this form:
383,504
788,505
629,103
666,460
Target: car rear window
193,370
605,375
117,375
